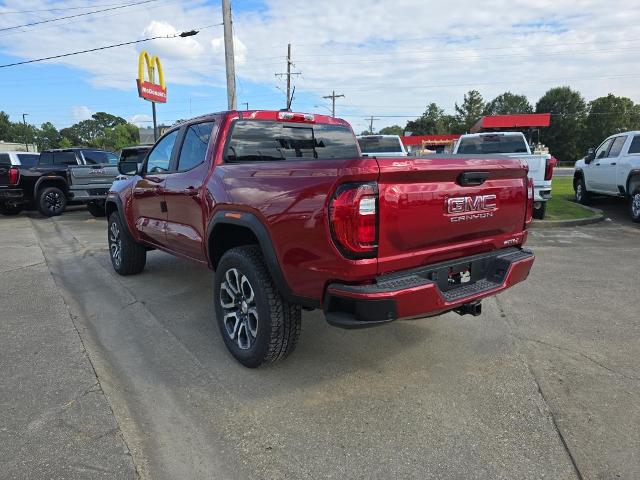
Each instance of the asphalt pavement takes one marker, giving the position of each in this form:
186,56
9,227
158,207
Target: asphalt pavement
543,385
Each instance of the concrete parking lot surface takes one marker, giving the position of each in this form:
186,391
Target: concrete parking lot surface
544,384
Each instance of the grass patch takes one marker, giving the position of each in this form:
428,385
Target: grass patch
561,206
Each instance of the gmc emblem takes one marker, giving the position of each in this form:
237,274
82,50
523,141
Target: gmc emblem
471,208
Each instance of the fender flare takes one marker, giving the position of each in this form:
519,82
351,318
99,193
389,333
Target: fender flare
635,173
117,201
55,178
250,221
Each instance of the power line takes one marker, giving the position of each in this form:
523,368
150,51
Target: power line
288,75
62,9
76,15
189,33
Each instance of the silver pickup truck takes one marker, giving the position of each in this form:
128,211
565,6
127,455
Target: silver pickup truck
91,178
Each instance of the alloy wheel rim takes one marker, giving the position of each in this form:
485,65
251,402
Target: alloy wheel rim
579,192
53,201
115,244
240,313
635,205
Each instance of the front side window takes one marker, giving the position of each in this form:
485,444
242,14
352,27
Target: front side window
28,160
160,156
195,145
602,150
64,158
616,146
255,140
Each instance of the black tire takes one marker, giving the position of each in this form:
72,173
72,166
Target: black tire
8,210
271,325
97,209
51,201
127,256
582,194
539,213
634,206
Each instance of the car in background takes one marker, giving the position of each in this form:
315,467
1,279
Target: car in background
381,145
514,145
612,169
134,154
24,159
69,175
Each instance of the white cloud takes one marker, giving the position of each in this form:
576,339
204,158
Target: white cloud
140,119
81,112
239,49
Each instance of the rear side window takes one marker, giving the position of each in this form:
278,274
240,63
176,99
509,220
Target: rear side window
28,159
616,146
489,144
46,158
99,157
254,140
194,147
379,145
64,158
5,161
635,145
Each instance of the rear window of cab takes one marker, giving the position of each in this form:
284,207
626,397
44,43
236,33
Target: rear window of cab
260,140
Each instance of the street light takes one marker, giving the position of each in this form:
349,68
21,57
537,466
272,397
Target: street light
24,120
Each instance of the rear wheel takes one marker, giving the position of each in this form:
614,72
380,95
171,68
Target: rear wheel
582,195
634,206
257,325
127,256
539,213
9,209
51,201
96,209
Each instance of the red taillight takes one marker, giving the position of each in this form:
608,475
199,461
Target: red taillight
551,164
353,216
530,194
14,176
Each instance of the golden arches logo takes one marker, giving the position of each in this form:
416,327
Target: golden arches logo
149,89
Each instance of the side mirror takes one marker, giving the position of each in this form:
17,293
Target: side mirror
129,168
591,154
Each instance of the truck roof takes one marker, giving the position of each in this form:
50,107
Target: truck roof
481,134
274,115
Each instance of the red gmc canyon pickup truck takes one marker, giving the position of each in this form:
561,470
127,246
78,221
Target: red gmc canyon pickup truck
290,215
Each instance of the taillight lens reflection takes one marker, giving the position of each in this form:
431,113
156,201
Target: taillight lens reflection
354,220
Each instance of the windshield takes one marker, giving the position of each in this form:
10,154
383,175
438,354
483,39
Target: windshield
487,144
254,140
379,144
28,159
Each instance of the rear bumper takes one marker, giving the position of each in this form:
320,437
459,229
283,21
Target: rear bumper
425,291
11,194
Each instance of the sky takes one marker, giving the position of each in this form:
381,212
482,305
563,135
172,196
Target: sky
388,58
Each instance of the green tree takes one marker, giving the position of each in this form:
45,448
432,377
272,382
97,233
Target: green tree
609,115
122,135
508,103
47,136
470,111
568,111
392,130
70,137
5,127
432,122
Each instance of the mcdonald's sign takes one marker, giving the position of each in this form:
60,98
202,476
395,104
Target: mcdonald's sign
148,88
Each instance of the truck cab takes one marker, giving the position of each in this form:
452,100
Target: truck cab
612,169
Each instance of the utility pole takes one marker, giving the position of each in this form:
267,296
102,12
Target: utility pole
371,119
246,104
288,74
228,54
333,97
26,139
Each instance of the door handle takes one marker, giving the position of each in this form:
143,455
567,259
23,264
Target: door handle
191,191
613,164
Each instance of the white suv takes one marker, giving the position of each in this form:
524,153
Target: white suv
611,169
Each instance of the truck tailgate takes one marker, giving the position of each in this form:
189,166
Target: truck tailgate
435,209
87,175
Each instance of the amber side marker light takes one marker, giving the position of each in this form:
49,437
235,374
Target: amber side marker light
233,215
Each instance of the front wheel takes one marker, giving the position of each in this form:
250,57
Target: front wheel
582,195
51,201
257,325
8,209
96,209
634,206
539,213
127,256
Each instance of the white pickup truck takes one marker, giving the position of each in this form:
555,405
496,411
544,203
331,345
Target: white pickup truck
611,169
381,146
515,145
